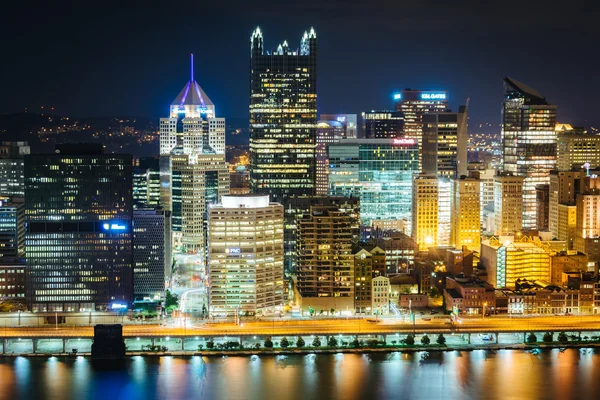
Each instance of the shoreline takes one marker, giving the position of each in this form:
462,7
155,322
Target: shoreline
306,351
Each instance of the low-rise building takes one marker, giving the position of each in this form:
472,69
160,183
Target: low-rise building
380,295
414,300
469,295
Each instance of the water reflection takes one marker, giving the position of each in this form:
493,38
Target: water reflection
443,375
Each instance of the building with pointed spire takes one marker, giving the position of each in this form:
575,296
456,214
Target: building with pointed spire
528,142
283,117
193,170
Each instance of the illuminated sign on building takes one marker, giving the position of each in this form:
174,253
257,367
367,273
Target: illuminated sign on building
341,119
235,250
397,96
433,96
114,227
404,142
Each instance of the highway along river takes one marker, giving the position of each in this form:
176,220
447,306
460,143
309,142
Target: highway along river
480,374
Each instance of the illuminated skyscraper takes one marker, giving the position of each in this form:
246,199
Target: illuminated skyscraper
283,117
193,170
330,129
576,147
382,124
465,215
246,255
12,180
413,104
425,210
12,228
444,143
78,210
528,141
508,204
146,183
379,172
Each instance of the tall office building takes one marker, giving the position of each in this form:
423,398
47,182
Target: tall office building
543,206
587,231
283,117
379,172
325,261
328,131
78,213
576,147
528,141
508,204
444,143
152,257
296,207
413,104
465,219
197,182
444,199
562,209
347,121
193,170
146,183
12,229
382,124
425,210
486,179
246,256
12,179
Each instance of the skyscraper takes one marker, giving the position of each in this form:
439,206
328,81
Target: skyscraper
283,117
78,208
325,260
508,204
152,258
146,183
193,170
246,256
331,128
425,210
382,124
528,141
413,104
12,229
465,215
379,171
12,180
444,143
576,147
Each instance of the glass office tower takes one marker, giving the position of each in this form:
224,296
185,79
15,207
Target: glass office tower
383,179
528,141
283,118
78,212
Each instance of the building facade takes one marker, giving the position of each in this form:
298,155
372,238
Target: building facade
425,211
245,256
283,118
12,228
152,255
576,147
528,141
12,177
146,183
382,124
444,143
508,204
78,214
379,172
465,216
325,269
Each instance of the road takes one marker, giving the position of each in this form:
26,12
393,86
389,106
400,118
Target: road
341,326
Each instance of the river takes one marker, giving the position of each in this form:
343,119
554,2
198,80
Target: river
480,374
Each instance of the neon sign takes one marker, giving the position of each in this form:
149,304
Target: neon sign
114,227
404,142
433,96
397,96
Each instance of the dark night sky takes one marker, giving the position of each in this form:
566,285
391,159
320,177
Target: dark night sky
132,59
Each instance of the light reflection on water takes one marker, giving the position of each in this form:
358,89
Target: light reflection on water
478,374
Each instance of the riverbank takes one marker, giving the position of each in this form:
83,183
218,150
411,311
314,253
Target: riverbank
309,350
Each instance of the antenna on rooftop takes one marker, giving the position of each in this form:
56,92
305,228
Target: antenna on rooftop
192,66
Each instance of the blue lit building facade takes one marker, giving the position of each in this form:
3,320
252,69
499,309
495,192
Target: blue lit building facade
78,214
379,172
